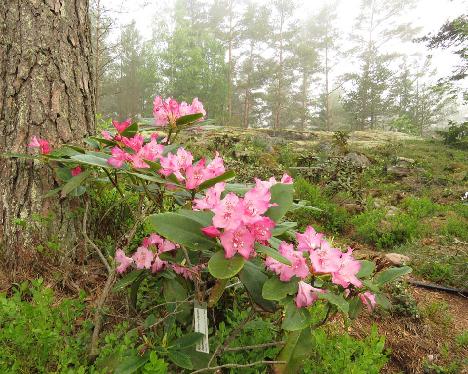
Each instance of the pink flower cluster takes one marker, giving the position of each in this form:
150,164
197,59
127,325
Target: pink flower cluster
315,256
147,257
181,164
42,144
169,110
239,222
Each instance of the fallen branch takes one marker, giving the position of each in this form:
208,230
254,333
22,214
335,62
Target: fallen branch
238,366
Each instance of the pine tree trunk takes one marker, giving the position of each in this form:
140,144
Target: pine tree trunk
46,90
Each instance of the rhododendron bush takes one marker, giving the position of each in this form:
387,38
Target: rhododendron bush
216,231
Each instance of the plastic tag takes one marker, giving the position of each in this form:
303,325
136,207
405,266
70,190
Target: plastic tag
200,317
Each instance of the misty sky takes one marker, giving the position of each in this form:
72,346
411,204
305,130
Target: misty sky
429,15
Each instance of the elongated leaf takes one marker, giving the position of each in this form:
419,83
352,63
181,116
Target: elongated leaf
295,318
282,227
184,120
131,130
151,178
131,363
238,188
281,194
355,307
220,178
205,218
104,141
225,268
174,291
383,301
367,268
74,182
253,279
134,289
337,300
274,289
181,229
216,292
391,274
92,159
272,253
181,359
127,280
296,350
187,340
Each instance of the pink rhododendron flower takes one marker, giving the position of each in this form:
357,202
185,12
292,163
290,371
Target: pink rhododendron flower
195,175
121,126
325,259
186,272
368,299
135,143
309,240
169,110
346,273
42,144
75,171
153,239
158,264
211,231
261,229
124,261
238,240
118,157
143,258
298,266
306,294
228,212
166,246
106,135
286,179
212,197
256,202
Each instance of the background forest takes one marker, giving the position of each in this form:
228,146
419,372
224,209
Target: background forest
268,65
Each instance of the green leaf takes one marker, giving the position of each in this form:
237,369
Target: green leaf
355,307
53,192
296,350
223,268
134,290
74,182
130,364
187,340
282,227
174,291
151,178
184,120
180,359
131,130
181,229
253,279
391,274
238,188
104,141
281,194
367,268
272,253
92,159
295,318
383,301
220,178
127,280
274,289
337,300
205,218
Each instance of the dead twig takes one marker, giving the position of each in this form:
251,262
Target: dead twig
238,366
256,346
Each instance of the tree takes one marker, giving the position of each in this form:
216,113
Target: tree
47,90
378,23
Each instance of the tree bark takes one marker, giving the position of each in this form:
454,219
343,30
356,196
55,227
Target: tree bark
46,90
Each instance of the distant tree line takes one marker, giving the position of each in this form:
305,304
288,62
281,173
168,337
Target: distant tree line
259,65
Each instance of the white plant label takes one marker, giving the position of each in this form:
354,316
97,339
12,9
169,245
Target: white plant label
200,317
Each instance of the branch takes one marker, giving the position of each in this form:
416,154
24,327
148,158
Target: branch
85,234
257,346
214,368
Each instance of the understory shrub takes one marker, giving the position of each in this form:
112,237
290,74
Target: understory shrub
39,336
330,216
